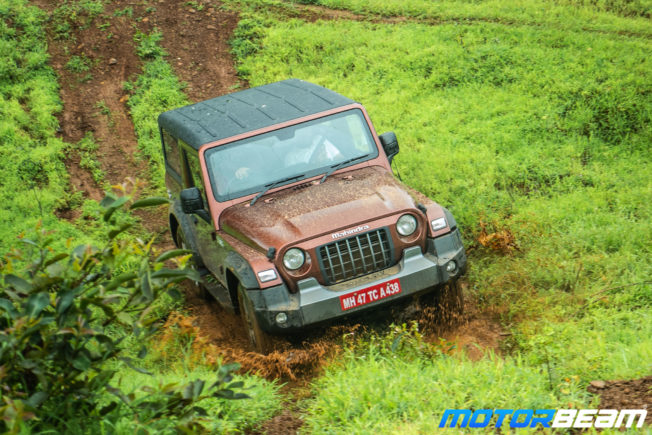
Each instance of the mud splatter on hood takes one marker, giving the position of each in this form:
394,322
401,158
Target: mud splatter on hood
342,202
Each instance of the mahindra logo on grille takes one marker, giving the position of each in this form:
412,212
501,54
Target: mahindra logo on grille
349,232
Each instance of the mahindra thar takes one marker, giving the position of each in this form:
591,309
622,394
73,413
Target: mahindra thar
285,196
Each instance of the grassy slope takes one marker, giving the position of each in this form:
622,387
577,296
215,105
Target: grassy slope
157,90
540,130
33,178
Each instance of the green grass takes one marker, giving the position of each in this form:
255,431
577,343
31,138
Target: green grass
224,416
618,16
33,180
71,14
155,91
519,121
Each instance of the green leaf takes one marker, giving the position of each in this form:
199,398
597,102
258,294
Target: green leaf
80,251
171,254
18,283
114,206
114,233
107,201
177,273
54,259
108,408
81,362
198,387
174,294
125,318
238,384
143,352
133,367
36,303
64,301
149,202
119,280
228,368
117,392
8,307
37,398
146,285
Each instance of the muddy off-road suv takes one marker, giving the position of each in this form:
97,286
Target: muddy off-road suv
285,195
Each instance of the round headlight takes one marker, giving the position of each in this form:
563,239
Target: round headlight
406,225
294,258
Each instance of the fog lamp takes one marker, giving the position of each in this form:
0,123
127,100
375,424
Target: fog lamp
281,318
451,266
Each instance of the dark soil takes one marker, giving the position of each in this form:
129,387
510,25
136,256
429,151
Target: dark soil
284,424
630,394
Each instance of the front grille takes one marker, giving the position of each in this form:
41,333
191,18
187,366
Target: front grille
355,256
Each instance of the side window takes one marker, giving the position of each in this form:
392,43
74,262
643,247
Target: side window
195,172
171,148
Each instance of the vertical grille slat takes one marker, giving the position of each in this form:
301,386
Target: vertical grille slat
364,263
348,247
339,257
330,263
355,256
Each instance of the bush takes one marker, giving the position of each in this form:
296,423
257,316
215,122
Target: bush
56,308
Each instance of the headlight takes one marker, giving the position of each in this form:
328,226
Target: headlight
406,225
294,258
438,224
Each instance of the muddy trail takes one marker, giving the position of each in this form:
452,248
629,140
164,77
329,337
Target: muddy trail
196,39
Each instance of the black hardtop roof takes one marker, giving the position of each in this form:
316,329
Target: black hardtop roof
247,110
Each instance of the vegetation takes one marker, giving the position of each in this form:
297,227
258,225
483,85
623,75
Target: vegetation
536,134
156,90
74,318
529,120
33,180
56,312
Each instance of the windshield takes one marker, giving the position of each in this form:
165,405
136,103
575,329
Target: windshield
300,151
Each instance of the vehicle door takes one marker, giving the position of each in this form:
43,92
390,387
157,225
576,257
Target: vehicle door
212,248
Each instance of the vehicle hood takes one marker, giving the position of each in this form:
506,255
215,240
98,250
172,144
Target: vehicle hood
309,210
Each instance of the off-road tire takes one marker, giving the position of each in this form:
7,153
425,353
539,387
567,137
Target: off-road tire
260,340
198,285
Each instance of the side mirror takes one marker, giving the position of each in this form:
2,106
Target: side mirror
390,144
191,201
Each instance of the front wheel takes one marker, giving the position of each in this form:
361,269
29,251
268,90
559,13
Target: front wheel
260,340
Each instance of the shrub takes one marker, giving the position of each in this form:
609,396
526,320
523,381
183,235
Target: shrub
56,308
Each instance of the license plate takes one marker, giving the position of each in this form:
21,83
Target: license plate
370,294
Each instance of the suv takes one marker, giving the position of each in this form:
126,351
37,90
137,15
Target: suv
285,196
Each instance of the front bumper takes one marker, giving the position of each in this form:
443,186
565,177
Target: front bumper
417,273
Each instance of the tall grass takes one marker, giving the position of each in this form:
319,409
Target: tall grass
523,125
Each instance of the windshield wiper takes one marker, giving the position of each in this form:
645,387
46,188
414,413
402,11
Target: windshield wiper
341,165
273,185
